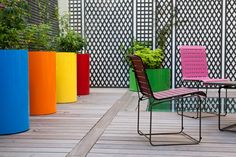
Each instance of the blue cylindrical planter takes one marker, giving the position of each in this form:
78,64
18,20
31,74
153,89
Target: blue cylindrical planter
14,96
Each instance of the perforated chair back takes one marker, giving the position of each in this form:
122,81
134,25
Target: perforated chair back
193,62
141,76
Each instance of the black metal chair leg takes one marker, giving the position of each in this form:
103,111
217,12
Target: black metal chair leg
219,108
225,103
138,118
226,99
150,128
227,128
150,135
182,115
200,118
194,117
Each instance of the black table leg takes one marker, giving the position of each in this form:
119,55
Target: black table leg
219,108
227,128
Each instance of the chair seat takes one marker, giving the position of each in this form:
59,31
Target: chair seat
176,92
213,80
203,79
194,78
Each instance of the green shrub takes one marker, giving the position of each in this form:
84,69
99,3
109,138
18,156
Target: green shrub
13,20
69,40
38,37
152,59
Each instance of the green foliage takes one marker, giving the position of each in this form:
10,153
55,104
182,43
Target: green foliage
38,37
152,59
163,35
44,12
13,17
165,31
69,40
135,46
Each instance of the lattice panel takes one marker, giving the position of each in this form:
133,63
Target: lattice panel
201,24
231,107
108,25
230,51
75,9
189,104
163,19
144,23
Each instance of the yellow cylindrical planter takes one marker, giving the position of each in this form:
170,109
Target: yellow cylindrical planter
66,77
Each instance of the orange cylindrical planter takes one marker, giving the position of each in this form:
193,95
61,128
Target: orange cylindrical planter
42,78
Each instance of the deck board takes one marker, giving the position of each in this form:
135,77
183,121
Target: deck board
108,117
55,135
121,138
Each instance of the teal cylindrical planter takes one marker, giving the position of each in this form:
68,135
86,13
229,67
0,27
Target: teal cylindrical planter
14,93
159,79
132,81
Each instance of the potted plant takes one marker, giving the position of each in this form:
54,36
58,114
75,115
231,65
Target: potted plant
42,70
14,106
69,43
159,77
42,62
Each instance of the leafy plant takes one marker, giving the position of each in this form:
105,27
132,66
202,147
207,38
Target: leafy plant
69,40
135,46
165,31
13,17
44,10
152,59
163,35
38,37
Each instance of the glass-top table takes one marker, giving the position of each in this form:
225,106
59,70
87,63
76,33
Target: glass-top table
225,85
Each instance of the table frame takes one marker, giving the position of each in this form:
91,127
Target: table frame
226,85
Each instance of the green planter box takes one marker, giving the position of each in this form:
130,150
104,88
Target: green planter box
159,80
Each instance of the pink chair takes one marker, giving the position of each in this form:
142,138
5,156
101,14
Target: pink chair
194,65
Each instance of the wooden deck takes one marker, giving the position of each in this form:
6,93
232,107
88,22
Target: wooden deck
55,135
104,124
120,138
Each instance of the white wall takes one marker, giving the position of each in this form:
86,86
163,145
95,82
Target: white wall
63,6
